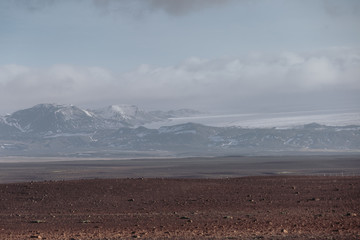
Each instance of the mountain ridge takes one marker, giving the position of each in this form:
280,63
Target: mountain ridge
55,118
66,130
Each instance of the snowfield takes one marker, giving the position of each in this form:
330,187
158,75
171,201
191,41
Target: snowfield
268,120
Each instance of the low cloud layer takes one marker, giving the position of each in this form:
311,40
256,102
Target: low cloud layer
198,83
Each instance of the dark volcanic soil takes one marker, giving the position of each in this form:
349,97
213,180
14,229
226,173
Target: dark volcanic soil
239,208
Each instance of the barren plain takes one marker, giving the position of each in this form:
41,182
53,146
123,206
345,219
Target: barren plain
271,205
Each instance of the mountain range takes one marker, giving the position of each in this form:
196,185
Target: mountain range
117,130
53,118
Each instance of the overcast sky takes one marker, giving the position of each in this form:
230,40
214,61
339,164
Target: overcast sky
214,55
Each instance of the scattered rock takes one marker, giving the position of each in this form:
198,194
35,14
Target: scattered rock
184,217
131,200
36,236
284,231
37,221
351,214
228,217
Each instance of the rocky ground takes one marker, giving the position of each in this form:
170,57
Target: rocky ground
237,208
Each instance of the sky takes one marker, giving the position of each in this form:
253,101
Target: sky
233,56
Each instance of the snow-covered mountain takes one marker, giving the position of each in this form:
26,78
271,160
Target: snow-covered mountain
54,119
66,130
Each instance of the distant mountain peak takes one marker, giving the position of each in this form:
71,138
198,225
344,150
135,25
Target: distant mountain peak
51,118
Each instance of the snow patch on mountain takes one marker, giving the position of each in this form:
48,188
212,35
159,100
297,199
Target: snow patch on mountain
282,120
71,112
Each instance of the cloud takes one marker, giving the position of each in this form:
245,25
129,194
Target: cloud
33,5
174,7
171,7
342,8
20,85
194,82
129,8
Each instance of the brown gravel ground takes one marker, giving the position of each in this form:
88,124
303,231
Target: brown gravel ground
298,207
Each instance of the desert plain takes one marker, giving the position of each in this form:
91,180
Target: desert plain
241,198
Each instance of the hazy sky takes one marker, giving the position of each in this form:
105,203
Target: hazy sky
231,55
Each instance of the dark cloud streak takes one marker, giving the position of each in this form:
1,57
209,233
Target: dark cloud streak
135,8
173,7
34,5
342,8
178,8
170,7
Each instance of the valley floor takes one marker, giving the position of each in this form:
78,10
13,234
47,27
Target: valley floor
26,169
